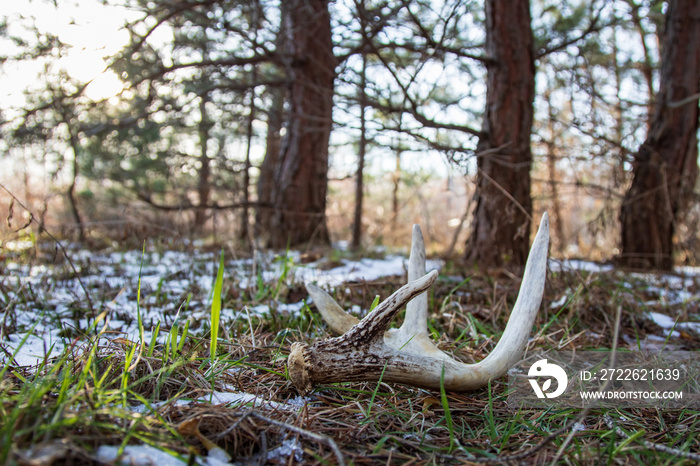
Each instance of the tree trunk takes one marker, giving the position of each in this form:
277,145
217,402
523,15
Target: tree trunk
359,177
396,181
299,191
665,167
647,66
553,175
75,147
244,231
71,192
501,225
270,164
275,122
204,172
245,214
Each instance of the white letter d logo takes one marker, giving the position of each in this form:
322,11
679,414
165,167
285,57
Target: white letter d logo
544,369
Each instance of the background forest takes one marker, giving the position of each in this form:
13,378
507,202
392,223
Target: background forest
175,173
305,121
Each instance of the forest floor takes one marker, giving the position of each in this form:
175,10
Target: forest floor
106,357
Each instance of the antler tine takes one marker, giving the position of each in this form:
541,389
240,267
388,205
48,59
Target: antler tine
511,346
337,319
412,336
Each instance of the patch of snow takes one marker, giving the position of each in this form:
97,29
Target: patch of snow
557,265
559,302
662,320
288,448
667,323
293,309
364,269
18,245
147,455
688,271
260,309
342,245
239,398
218,457
35,349
142,409
651,343
299,401
232,398
137,455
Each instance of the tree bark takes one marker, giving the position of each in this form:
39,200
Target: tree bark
204,172
245,211
665,167
647,66
270,164
396,181
501,225
362,148
299,191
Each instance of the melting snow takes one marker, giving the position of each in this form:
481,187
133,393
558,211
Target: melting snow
138,455
556,265
165,280
288,448
667,323
146,455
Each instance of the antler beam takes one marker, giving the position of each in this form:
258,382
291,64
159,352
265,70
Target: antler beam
368,348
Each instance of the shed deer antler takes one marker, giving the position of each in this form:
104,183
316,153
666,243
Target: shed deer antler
368,348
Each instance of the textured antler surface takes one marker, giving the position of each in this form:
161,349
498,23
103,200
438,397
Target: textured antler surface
368,348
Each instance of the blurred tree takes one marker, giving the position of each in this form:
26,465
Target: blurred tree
665,167
50,124
276,117
301,180
405,79
501,226
196,97
356,240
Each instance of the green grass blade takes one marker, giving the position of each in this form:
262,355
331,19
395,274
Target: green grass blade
216,307
183,337
446,408
138,297
154,337
376,389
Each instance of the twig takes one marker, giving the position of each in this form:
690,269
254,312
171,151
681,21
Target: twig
58,243
651,445
318,437
506,194
531,451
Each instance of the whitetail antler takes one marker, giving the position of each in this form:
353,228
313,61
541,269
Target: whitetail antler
368,348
